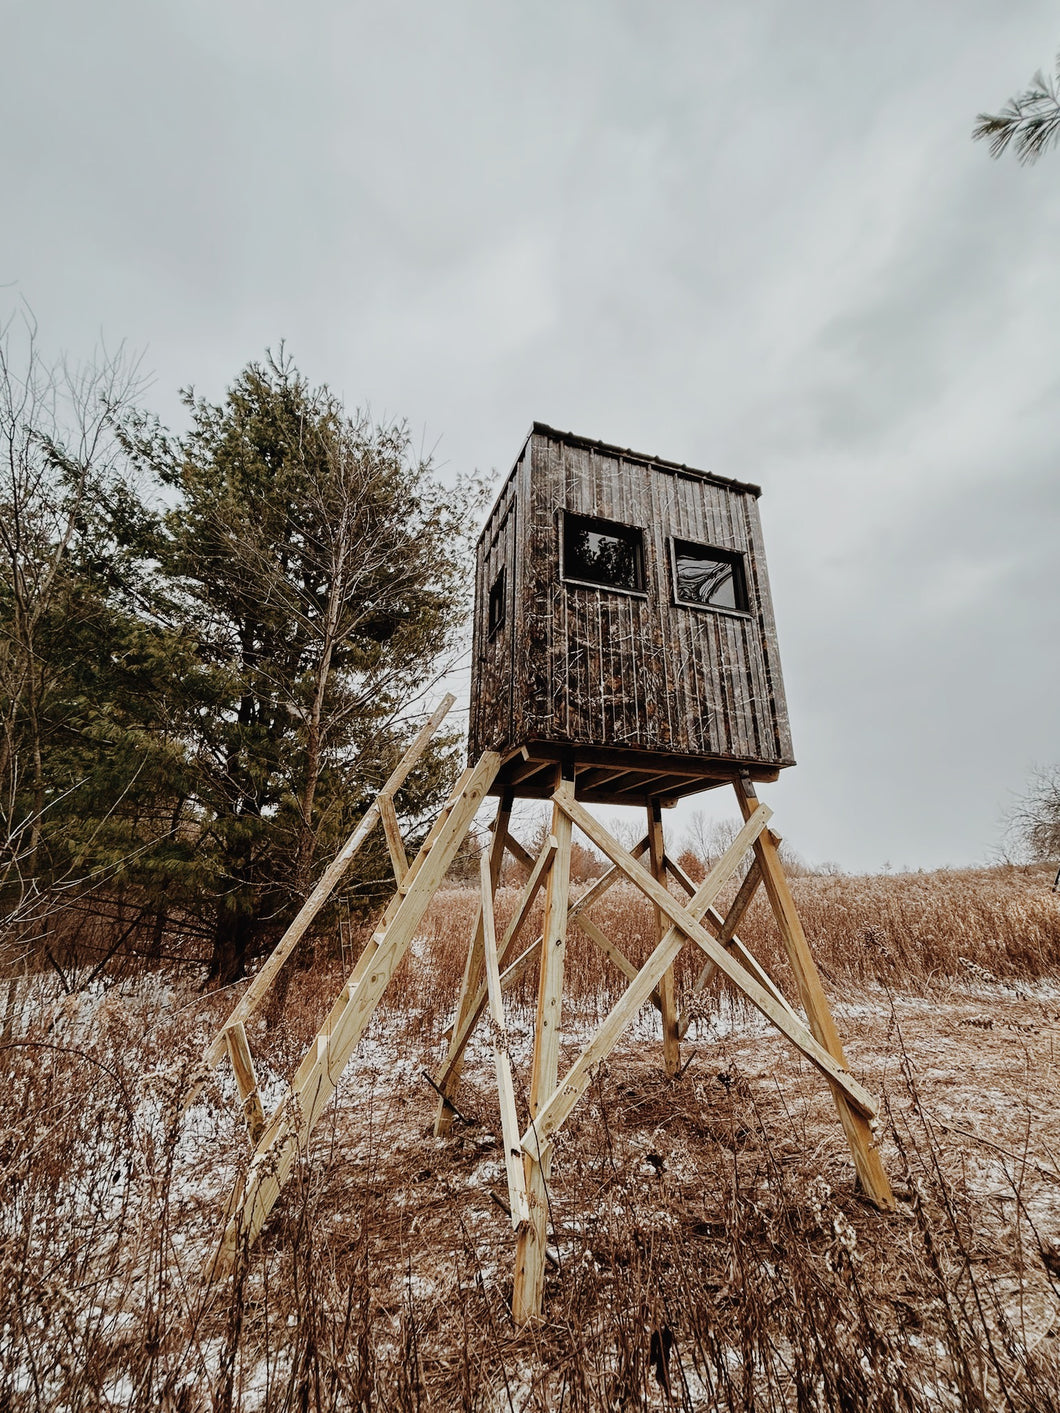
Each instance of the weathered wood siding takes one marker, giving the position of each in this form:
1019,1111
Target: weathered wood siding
577,665
493,688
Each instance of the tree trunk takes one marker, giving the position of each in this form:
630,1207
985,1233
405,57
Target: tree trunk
233,934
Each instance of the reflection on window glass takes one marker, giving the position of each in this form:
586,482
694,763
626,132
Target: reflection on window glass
602,553
709,577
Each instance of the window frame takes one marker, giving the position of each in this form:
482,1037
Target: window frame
500,582
737,558
599,525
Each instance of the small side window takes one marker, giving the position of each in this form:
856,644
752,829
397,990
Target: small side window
709,578
495,617
601,552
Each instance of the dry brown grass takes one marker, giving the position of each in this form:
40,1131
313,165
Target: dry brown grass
710,1252
919,931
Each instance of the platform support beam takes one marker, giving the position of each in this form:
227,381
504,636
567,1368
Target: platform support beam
856,1125
530,1253
667,995
473,972
550,1098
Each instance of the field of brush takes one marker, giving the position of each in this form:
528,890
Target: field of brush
709,1249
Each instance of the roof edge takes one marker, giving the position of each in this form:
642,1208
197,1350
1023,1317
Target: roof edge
574,439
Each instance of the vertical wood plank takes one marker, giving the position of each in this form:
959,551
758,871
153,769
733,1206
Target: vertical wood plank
246,1079
530,1249
667,998
394,843
513,1153
857,1127
443,1118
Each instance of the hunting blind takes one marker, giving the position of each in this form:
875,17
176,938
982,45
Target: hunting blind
623,622
624,653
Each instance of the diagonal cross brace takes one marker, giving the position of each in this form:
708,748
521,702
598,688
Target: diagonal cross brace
256,992
683,925
294,1119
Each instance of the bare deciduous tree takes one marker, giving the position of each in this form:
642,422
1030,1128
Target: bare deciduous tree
57,450
1034,821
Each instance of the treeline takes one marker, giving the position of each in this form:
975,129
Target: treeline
209,642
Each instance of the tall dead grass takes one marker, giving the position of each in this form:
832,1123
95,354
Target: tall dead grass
705,1255
708,1250
909,932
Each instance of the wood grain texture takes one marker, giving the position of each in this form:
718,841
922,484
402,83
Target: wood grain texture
528,1287
582,666
513,1156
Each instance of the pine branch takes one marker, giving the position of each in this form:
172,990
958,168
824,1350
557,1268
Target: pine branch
1029,123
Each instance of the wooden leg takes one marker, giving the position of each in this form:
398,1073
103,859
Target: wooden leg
473,971
289,1130
667,999
857,1127
459,1035
530,1248
513,1152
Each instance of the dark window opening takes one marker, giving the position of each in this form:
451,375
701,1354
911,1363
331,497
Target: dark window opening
709,578
495,618
600,552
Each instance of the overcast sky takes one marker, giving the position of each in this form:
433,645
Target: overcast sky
756,238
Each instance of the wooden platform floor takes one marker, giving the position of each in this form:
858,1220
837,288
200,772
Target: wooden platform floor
613,776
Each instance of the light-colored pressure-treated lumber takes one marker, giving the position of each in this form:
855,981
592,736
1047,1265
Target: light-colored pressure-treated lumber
460,1034
563,1099
246,1079
667,994
724,931
367,958
513,1155
259,987
443,1118
855,1120
394,842
487,973
291,1125
797,1033
529,1285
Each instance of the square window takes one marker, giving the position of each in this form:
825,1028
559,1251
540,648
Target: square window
709,578
495,618
601,552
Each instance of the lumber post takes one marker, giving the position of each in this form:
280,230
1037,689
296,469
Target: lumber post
459,1035
530,1254
473,971
513,1153
576,913
667,997
289,1130
858,1129
392,830
685,924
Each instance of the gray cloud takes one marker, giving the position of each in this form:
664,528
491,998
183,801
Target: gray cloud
753,238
